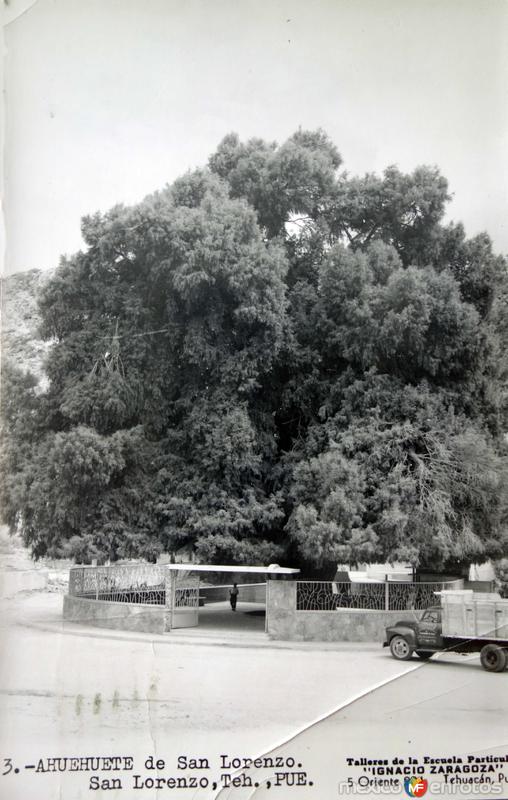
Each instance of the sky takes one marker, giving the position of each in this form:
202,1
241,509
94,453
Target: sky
109,100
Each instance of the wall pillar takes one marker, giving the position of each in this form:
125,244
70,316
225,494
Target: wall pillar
169,595
280,609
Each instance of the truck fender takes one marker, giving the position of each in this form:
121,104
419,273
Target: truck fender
407,633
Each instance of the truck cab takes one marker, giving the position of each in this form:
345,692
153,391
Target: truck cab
423,636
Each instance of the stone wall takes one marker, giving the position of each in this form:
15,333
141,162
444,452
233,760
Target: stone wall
149,619
342,625
117,616
283,620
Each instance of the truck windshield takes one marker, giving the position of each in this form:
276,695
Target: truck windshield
432,615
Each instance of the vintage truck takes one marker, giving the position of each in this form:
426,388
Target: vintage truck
463,622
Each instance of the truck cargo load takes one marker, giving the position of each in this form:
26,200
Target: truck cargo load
479,614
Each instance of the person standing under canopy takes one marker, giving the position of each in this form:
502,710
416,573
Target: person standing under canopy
233,596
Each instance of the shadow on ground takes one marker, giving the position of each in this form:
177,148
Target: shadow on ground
248,617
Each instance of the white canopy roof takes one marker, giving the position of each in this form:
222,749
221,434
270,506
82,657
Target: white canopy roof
273,569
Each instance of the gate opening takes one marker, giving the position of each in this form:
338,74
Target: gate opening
197,602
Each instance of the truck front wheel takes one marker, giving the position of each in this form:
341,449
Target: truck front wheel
400,648
493,658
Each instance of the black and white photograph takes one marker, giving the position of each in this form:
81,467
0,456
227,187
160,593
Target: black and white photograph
254,400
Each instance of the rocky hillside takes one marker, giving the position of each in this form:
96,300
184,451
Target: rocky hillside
21,343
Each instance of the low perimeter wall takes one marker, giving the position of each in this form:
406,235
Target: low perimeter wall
342,625
145,618
118,616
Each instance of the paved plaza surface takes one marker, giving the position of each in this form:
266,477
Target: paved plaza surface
446,708
72,690
218,617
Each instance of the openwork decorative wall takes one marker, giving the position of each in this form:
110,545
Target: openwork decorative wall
125,583
145,584
187,596
388,596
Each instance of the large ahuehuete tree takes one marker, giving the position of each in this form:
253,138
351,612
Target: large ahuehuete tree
269,360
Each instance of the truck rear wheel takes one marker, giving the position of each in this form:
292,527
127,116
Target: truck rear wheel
493,658
400,648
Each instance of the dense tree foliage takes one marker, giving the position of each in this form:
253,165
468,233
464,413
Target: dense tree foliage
270,360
